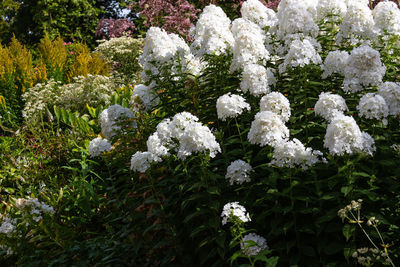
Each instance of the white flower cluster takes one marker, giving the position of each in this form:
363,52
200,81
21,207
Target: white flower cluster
256,79
143,97
293,153
331,10
35,207
8,227
121,47
335,62
363,68
111,120
99,145
259,14
141,161
249,45
250,249
296,17
387,18
234,209
357,23
160,48
301,53
212,34
238,172
328,105
277,103
373,106
230,106
390,91
343,136
267,129
183,134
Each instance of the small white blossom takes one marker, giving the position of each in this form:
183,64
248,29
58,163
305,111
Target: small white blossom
387,18
277,103
373,106
141,161
301,53
111,119
331,10
143,97
233,209
230,106
238,172
267,129
390,91
259,14
343,136
253,249
329,104
8,227
98,145
335,62
256,79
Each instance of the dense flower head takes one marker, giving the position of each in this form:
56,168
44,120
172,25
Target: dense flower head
390,91
238,172
256,79
363,68
141,161
234,209
343,136
230,106
8,226
373,106
277,103
99,145
357,23
328,105
212,34
143,97
114,28
301,53
335,62
250,249
111,119
258,13
267,129
249,45
296,16
35,207
330,10
183,134
293,153
387,18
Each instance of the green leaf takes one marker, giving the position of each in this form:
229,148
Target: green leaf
347,231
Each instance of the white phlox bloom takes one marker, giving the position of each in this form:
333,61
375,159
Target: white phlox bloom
278,104
183,134
390,91
143,97
301,53
111,119
99,145
192,64
267,129
256,79
251,249
230,106
330,10
35,207
8,227
259,14
387,18
212,34
160,48
296,16
141,161
328,105
363,68
238,172
335,62
343,136
249,44
373,106
293,154
234,209
358,23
